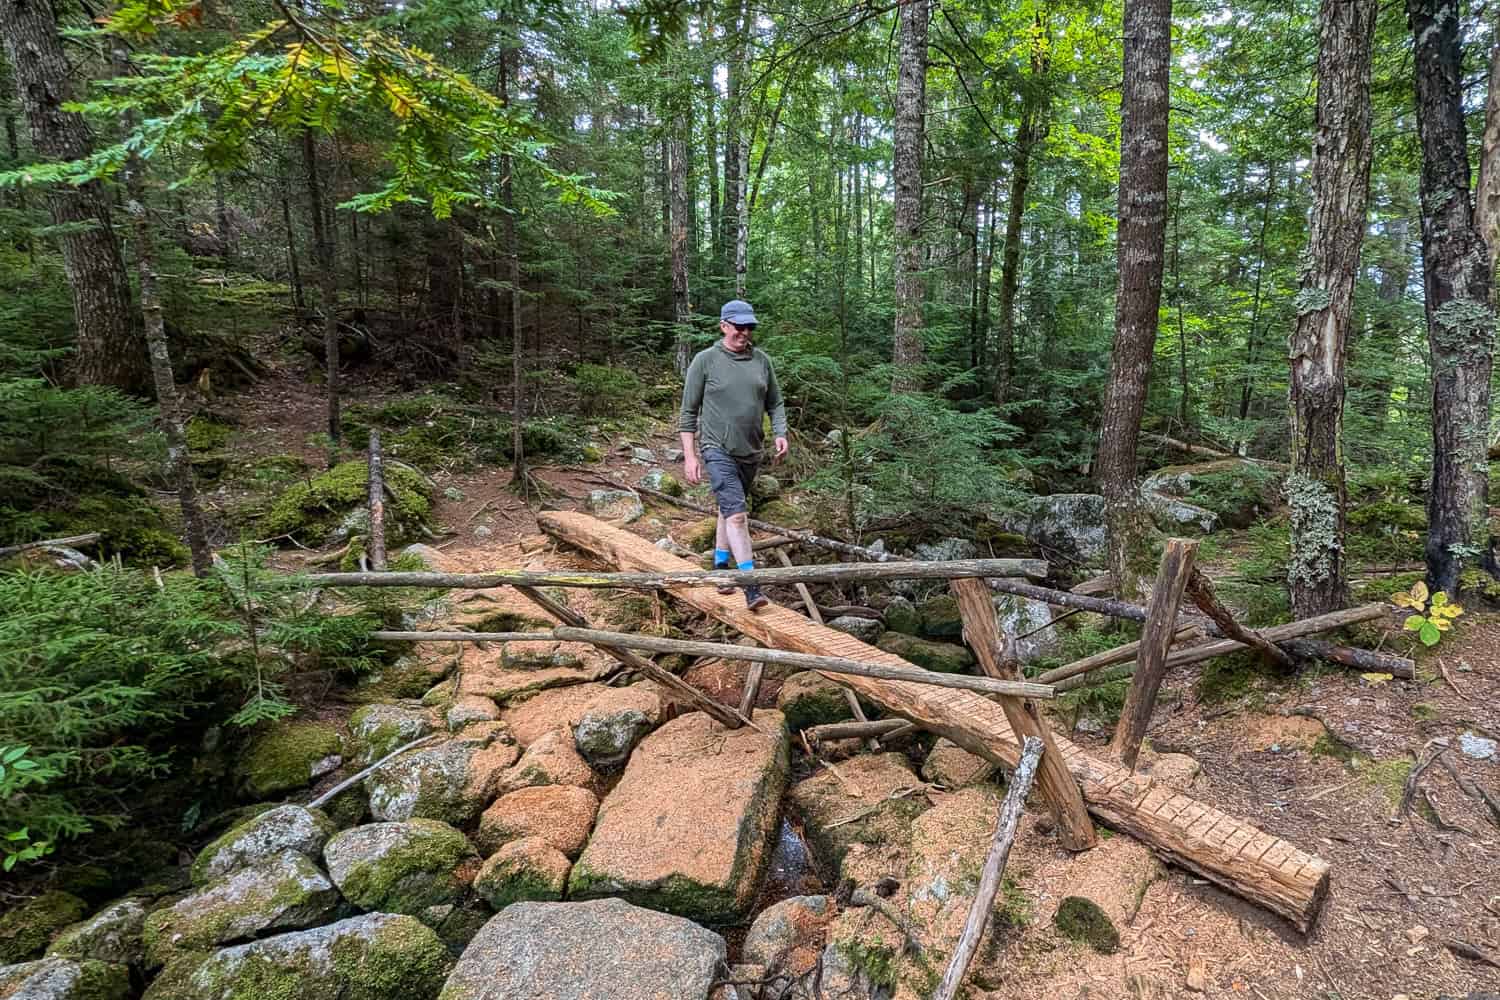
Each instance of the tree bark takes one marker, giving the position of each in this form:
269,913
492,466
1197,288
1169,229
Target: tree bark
911,107
1316,489
328,289
734,122
681,309
1142,239
742,222
111,348
1247,386
1460,319
294,269
376,502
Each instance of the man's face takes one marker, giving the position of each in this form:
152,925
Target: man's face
736,338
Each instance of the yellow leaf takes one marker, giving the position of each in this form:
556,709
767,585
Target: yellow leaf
1441,624
1375,680
1402,599
1419,591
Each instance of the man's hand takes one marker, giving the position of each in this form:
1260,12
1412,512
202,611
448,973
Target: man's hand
692,469
781,448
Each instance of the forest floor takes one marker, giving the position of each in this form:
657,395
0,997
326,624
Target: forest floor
1320,759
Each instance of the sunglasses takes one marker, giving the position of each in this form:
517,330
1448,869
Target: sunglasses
742,327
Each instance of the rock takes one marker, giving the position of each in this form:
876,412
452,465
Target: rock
948,847
788,936
1175,770
577,951
765,487
901,616
621,506
1020,615
64,979
864,629
451,782
545,711
284,828
409,677
940,617
943,657
1174,516
614,723
111,935
26,930
469,708
828,809
328,506
534,543
668,544
1082,920
561,815
551,760
483,531
283,758
1235,491
863,956
952,766
1476,747
401,867
1197,975
661,482
687,830
810,699
376,956
672,454
286,892
947,550
701,534
640,454
1069,524
525,870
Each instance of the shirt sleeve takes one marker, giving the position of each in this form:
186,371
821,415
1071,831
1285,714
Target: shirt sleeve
692,396
775,405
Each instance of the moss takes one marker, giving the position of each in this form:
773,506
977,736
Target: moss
592,453
311,511
943,657
1229,678
1236,495
901,616
778,512
407,678
1389,776
519,886
878,960
280,758
1079,919
387,884
407,959
1004,544
1328,745
1424,712
1477,581
26,930
174,979
1380,588
207,434
810,700
1014,907
91,882
701,535
133,528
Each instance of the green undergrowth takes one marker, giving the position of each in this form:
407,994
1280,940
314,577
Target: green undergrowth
313,511
436,430
1235,677
1237,495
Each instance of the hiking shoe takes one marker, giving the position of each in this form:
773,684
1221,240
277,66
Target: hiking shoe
754,599
725,588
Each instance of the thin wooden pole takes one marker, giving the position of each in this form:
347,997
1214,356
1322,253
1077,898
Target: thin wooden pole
354,779
811,608
752,683
982,630
394,636
994,867
376,546
1156,640
806,661
882,729
1202,592
1120,654
816,573
46,543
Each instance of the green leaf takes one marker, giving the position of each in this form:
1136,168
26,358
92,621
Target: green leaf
1429,634
1413,623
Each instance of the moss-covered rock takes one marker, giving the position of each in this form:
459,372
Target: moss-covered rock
313,512
779,512
942,657
284,757
552,759
529,869
901,616
111,935
64,979
940,617
26,930
284,828
879,817
377,956
451,782
1080,919
401,867
286,892
408,677
700,535
561,815
616,721
810,699
376,730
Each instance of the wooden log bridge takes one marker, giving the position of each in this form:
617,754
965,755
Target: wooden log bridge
1231,853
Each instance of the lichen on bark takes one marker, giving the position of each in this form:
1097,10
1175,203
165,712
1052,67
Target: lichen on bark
1315,529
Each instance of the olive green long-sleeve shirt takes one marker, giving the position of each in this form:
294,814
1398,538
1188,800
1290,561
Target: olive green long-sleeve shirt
724,396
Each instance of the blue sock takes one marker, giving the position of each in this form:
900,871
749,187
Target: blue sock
721,558
747,565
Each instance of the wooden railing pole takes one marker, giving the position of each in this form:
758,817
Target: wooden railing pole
1156,640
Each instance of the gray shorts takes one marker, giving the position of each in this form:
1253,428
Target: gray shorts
730,479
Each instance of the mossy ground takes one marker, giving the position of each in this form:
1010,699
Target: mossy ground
280,757
26,930
311,511
1079,919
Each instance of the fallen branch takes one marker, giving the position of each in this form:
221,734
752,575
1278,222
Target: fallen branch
72,541
774,542
994,867
806,661
831,731
1109,657
956,569
1202,592
1472,952
1349,656
352,780
391,636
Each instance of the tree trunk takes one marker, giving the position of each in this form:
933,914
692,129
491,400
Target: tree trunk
111,349
1460,320
742,222
856,200
911,106
1142,238
513,276
681,309
735,166
1248,385
299,299
1341,190
1384,328
1487,190
328,289
711,138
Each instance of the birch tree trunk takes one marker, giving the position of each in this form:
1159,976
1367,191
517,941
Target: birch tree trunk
911,106
111,350
1315,488
1460,319
1142,240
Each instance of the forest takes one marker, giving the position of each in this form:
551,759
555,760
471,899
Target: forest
347,537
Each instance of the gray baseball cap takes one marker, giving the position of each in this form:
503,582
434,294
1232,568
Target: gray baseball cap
738,311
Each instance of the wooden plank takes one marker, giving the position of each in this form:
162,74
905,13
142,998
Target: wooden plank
979,726
982,630
1156,640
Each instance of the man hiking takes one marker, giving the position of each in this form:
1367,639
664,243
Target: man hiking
728,388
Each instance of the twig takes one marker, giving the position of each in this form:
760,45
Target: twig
481,509
1473,952
1443,669
899,793
1409,790
355,779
